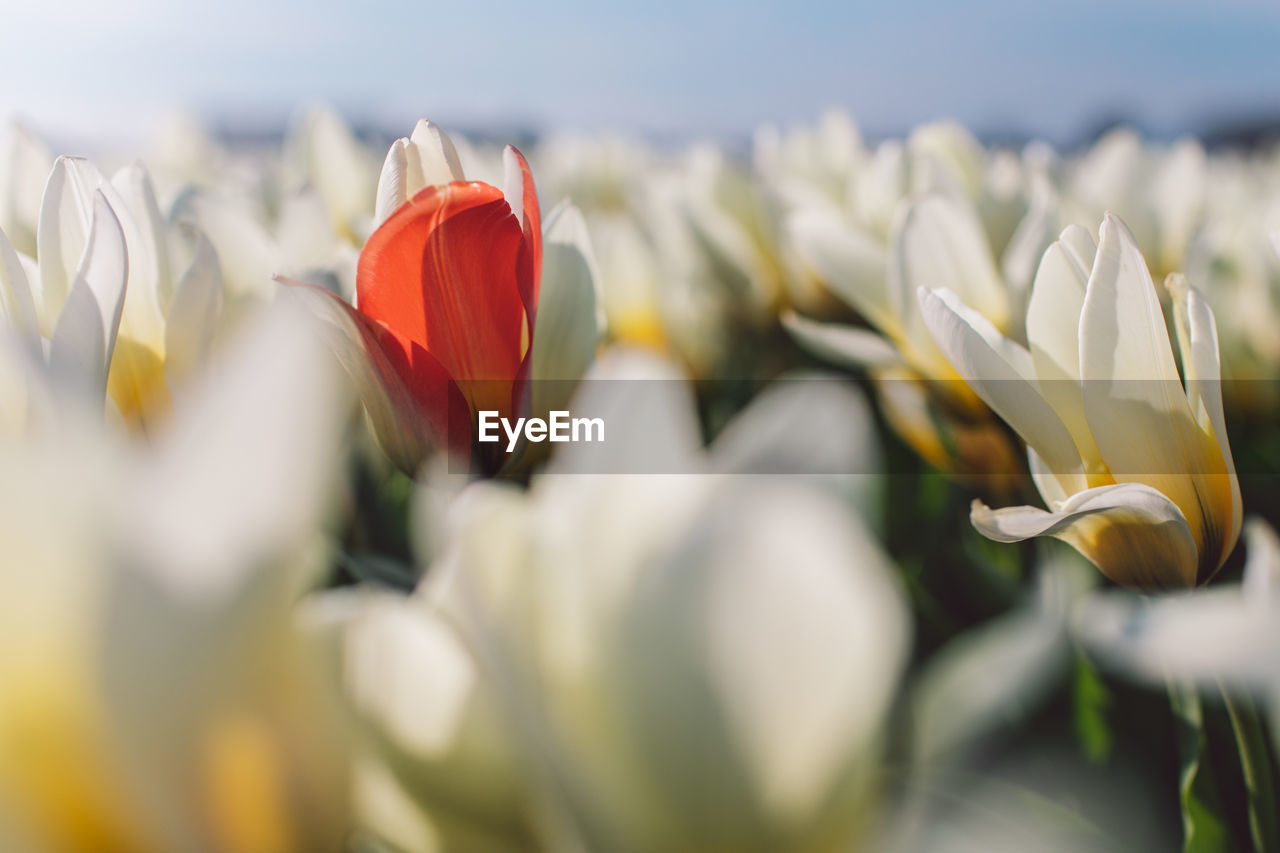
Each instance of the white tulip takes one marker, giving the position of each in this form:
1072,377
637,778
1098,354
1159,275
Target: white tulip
1136,471
643,635
159,321
158,695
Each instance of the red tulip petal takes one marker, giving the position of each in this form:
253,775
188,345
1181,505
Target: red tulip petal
437,399
519,184
441,273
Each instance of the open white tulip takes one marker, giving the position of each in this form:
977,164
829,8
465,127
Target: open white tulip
1134,467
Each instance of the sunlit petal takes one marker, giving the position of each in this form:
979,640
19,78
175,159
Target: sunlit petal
1135,535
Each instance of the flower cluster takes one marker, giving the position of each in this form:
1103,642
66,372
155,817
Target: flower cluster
268,586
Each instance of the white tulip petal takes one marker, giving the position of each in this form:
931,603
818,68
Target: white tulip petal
839,343
17,307
850,261
1080,245
941,246
304,234
839,142
1053,334
1209,636
246,253
569,319
242,476
648,410
427,158
513,188
482,585
1134,534
150,275
907,405
432,156
85,336
1134,400
804,424
393,182
1030,239
193,314
880,187
390,406
1000,373
1123,337
25,394
1050,486
725,659
735,254
946,157
25,164
776,609
1053,313
385,809
324,153
408,673
1261,583
1198,339
63,229
1177,195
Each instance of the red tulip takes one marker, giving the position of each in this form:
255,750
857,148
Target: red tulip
452,277
446,294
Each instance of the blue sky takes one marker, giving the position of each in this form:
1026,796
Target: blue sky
81,69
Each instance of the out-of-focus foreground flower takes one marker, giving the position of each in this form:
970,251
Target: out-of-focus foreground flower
691,661
1135,468
675,662
1223,634
156,692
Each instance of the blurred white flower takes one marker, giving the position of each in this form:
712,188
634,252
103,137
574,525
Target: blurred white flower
157,695
25,164
1158,192
323,152
1221,634
676,661
935,211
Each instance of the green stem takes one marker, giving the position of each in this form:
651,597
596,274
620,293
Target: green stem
1255,765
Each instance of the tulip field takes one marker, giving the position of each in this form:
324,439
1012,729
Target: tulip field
826,493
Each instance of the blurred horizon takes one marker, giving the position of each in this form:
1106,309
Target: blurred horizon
77,72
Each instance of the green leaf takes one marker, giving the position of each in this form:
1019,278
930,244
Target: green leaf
1256,768
1202,824
1090,700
